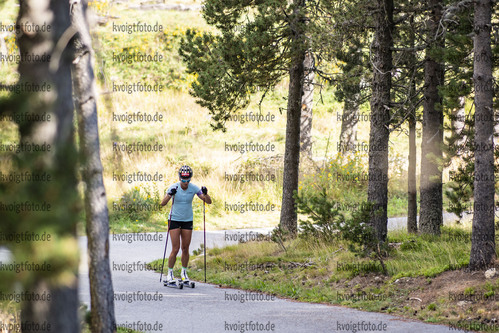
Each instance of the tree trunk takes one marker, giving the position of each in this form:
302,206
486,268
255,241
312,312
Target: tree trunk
496,133
458,123
412,202
61,280
483,234
348,134
430,219
377,192
288,219
97,221
412,207
307,103
496,130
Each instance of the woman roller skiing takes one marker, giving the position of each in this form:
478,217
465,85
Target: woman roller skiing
181,217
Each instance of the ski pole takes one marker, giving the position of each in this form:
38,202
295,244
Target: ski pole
166,244
204,247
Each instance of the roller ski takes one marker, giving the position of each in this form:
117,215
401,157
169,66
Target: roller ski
188,283
185,280
171,282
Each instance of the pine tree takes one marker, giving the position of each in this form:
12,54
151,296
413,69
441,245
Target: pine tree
250,54
377,191
431,218
483,247
96,212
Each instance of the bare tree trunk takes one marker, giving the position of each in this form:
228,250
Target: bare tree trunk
61,280
412,202
458,123
348,134
377,191
97,220
307,104
496,129
430,219
289,219
483,234
412,208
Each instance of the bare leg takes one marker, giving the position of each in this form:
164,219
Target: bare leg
186,241
175,238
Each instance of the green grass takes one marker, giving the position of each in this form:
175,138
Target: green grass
427,255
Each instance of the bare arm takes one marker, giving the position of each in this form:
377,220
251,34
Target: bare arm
165,200
205,197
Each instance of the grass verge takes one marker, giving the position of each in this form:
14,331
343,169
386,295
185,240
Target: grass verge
426,277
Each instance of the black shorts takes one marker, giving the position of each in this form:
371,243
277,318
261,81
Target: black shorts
181,225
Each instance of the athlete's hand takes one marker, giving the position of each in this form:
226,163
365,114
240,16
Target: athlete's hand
204,190
172,191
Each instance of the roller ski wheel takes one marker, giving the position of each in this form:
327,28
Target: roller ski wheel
189,284
174,284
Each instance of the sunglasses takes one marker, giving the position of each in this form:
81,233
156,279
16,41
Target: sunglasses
185,180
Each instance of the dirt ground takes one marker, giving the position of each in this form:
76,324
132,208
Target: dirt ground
462,299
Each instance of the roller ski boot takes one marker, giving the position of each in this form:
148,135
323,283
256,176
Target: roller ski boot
171,282
185,280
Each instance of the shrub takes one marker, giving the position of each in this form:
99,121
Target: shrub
332,201
324,219
138,203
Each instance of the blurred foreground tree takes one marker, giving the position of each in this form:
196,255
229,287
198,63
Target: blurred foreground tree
45,150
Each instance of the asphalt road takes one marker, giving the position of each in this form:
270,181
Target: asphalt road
208,308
